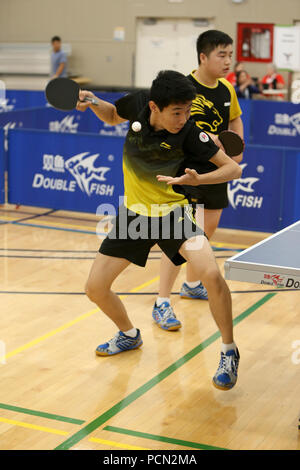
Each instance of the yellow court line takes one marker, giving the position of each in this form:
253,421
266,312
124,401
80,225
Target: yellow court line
57,224
141,286
48,335
116,444
21,424
68,325
33,426
225,245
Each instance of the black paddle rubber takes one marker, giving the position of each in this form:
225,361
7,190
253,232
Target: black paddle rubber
232,143
62,93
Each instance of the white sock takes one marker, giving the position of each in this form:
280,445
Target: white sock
132,333
228,347
161,300
192,284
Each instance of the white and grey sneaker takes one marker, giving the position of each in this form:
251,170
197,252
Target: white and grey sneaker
165,317
119,343
226,375
198,292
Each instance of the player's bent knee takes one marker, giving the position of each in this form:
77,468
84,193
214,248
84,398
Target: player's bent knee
213,278
89,291
95,291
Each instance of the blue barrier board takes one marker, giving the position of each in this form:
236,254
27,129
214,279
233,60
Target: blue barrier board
2,165
63,171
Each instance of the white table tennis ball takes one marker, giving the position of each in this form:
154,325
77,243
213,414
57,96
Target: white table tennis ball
136,126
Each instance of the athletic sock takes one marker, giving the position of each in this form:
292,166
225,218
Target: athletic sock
192,284
132,333
161,300
228,347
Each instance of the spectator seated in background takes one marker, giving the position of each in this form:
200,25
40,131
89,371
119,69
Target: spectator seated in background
231,77
272,80
58,59
244,87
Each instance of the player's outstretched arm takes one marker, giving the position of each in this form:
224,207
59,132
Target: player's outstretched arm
227,170
190,178
105,111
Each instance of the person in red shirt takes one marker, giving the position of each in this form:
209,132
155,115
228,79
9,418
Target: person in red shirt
273,80
231,77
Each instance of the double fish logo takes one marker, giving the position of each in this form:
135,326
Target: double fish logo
295,120
9,125
4,106
119,130
285,125
241,184
277,280
67,124
82,168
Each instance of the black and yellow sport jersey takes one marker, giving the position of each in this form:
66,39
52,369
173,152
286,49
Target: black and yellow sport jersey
214,107
148,153
212,110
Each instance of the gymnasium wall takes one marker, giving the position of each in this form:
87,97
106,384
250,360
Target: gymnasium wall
89,27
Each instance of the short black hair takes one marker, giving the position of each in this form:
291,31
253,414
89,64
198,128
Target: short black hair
238,74
56,38
210,40
171,87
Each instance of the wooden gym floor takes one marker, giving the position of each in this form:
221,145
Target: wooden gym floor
56,394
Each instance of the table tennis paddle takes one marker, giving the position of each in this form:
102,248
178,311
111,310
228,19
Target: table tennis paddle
63,94
232,143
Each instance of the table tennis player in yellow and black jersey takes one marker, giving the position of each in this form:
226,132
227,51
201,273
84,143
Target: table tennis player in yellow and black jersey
160,138
212,110
165,139
148,152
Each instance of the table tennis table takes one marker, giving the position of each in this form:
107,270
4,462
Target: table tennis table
274,261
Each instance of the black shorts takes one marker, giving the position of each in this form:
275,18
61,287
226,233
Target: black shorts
133,235
212,196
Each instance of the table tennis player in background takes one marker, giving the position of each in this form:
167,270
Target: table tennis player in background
58,59
214,109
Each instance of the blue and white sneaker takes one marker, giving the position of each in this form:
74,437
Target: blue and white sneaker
198,292
165,317
226,375
119,343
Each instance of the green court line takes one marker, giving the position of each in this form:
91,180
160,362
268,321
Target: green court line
155,437
41,414
114,410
